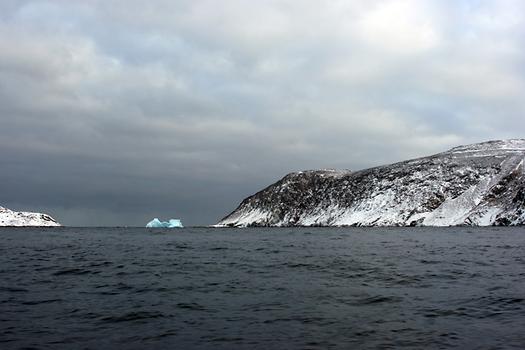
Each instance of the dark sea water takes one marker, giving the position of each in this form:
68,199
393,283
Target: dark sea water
304,288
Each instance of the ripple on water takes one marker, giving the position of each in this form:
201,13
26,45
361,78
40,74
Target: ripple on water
38,302
133,316
73,271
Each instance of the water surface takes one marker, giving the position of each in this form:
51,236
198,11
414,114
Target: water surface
302,288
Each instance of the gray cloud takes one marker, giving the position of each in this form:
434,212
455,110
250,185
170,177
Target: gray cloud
114,112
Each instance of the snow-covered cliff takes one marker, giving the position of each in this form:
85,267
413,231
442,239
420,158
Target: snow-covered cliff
22,218
480,184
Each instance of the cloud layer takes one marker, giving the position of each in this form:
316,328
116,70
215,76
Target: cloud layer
113,112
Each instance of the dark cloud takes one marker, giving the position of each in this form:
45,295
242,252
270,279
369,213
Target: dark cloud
114,112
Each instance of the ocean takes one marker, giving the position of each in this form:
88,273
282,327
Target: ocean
262,288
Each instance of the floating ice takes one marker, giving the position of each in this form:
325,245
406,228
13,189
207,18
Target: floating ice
172,223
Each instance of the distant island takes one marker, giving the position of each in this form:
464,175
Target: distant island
22,218
480,185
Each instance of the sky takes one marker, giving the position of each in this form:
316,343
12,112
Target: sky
115,112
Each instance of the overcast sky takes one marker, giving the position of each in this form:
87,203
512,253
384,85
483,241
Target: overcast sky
114,112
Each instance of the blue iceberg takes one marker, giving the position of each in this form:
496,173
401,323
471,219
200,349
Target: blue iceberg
173,223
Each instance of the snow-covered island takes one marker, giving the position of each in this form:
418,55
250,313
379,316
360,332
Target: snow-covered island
481,184
23,218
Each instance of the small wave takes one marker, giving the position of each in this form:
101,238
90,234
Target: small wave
302,320
178,245
507,301
190,306
494,302
133,316
226,339
433,313
159,336
38,302
13,290
75,271
104,263
429,262
378,299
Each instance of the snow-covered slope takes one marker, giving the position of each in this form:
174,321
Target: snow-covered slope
22,218
481,184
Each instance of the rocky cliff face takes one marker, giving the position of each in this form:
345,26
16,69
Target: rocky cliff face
22,218
481,184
